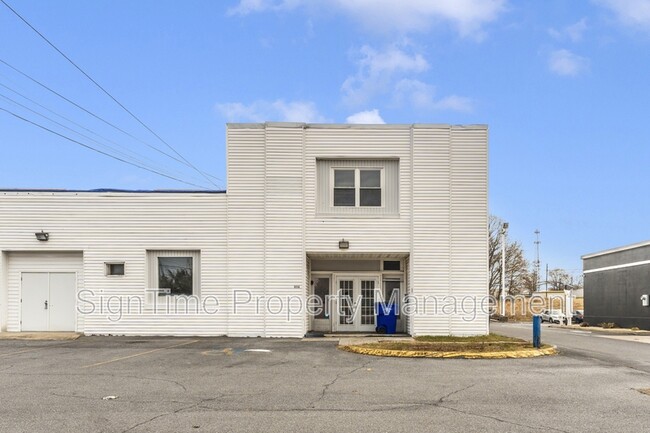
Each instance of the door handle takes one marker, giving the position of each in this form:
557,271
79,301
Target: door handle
46,305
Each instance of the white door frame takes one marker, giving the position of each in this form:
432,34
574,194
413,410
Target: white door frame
322,325
40,271
356,278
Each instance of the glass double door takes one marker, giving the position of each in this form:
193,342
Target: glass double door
355,306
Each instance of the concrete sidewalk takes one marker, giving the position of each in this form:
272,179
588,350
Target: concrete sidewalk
39,336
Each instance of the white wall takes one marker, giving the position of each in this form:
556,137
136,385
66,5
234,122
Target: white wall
449,231
256,237
390,234
121,227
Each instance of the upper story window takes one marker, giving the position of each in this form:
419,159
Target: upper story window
367,188
357,187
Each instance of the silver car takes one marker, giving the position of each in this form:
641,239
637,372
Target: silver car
553,316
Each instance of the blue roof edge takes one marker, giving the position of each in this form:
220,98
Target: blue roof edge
135,191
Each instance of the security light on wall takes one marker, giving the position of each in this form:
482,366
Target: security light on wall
42,236
343,244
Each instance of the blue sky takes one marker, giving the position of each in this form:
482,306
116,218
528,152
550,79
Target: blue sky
563,85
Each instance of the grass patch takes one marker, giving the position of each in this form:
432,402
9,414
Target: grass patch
447,343
490,338
451,346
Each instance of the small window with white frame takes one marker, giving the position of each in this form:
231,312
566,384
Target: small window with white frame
114,269
357,187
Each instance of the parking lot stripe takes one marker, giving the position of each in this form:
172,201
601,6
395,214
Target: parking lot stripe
138,354
18,352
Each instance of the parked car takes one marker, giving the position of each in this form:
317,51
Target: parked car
553,316
577,317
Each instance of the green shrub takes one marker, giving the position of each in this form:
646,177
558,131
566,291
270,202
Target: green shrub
608,325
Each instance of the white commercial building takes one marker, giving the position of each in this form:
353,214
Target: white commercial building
332,216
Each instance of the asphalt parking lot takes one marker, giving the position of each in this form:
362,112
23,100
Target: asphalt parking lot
252,385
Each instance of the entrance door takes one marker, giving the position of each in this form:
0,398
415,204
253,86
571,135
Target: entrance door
356,297
320,317
48,301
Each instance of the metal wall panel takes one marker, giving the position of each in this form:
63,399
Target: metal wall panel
366,234
121,227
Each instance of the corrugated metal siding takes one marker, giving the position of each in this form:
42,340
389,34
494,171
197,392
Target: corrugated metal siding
37,262
469,237
246,192
390,191
365,234
256,237
4,258
284,259
122,227
430,259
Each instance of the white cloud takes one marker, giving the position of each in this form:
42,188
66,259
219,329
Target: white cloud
377,69
564,62
573,32
247,7
366,117
278,110
634,13
455,103
467,16
423,96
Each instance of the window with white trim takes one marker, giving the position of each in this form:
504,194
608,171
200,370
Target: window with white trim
174,273
357,187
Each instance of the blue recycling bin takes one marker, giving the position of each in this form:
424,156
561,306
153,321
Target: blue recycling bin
386,318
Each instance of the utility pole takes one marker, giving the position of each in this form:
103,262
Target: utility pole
537,262
546,279
503,268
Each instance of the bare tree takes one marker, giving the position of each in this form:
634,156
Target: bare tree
494,254
560,279
519,279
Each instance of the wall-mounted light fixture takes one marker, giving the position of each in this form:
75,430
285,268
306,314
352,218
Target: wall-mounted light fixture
42,236
343,244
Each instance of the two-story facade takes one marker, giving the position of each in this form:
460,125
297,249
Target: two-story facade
318,223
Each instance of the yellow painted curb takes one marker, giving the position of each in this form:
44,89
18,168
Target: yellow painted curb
522,353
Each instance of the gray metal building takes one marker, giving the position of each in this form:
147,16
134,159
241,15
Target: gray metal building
617,286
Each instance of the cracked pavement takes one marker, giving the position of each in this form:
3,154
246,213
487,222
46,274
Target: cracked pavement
215,385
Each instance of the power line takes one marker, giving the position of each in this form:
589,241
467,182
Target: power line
83,135
151,162
87,111
106,92
97,150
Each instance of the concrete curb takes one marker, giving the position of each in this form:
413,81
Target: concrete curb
511,354
39,336
605,331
